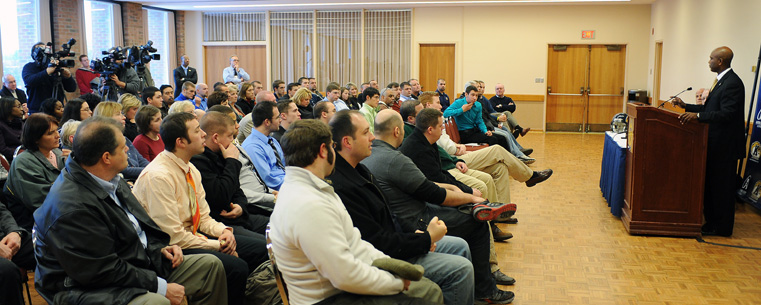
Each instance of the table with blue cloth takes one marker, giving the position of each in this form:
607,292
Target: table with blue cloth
613,172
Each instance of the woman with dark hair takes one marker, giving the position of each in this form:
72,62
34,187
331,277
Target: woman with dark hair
11,124
52,107
35,169
348,99
92,100
76,109
247,98
148,143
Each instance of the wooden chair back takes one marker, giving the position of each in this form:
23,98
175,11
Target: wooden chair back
278,276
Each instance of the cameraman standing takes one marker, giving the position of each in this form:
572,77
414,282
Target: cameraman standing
41,77
125,79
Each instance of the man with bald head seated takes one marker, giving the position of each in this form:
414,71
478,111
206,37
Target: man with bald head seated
723,112
415,200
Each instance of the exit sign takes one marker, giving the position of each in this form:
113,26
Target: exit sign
587,34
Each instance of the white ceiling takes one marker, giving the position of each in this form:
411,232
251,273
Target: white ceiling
262,5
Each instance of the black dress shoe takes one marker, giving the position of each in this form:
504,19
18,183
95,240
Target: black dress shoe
511,220
502,278
539,177
527,151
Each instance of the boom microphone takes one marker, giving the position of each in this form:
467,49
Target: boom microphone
688,89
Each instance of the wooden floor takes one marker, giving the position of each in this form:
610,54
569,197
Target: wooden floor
569,249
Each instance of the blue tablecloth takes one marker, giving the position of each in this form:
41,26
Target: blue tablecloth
612,174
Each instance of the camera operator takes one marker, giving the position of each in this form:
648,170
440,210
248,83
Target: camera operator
41,78
125,79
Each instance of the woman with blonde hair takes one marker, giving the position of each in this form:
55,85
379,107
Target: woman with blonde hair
130,103
303,98
232,101
135,161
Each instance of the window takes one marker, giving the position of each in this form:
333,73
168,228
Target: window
291,45
20,31
234,26
158,32
388,45
339,41
99,27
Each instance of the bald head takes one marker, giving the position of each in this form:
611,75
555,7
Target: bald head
389,127
265,96
720,59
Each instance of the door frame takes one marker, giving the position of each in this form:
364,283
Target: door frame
546,83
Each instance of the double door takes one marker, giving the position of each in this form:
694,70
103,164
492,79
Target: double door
585,86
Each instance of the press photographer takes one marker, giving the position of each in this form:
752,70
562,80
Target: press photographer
117,77
138,57
48,75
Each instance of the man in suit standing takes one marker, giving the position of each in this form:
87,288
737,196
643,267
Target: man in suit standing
723,112
184,74
10,89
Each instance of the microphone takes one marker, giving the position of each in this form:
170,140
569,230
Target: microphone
668,100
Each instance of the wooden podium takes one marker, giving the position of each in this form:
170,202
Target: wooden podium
665,173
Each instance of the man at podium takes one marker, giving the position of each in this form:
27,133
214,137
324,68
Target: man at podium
723,112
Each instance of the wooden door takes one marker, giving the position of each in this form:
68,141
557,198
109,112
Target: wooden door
656,96
437,61
566,84
253,59
606,85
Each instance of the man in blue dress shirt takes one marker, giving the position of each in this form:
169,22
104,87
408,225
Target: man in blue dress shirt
264,150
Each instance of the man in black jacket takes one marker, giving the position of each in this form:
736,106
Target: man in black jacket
443,257
41,78
95,244
416,200
723,112
184,73
15,252
220,172
10,89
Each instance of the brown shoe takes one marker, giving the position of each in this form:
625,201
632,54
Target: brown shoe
525,131
500,235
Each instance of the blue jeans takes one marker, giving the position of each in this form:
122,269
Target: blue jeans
450,267
512,145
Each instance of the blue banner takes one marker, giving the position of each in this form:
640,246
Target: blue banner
750,190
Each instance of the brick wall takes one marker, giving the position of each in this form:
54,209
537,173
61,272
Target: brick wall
132,18
179,22
66,25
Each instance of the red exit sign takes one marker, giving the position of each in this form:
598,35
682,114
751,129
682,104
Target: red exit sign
587,34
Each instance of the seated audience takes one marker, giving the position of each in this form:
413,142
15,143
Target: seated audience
135,161
76,109
264,150
349,95
67,133
133,261
91,99
246,123
303,98
34,170
171,192
220,173
130,103
148,143
289,114
415,200
11,89
152,96
324,111
10,126
52,107
167,94
15,252
217,98
188,92
261,198
202,92
494,123
504,107
333,94
246,98
232,101
182,106
446,259
370,105
317,248
470,123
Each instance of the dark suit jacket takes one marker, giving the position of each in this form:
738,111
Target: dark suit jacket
180,77
7,92
723,111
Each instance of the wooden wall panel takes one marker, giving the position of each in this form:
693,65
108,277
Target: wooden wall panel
437,61
253,59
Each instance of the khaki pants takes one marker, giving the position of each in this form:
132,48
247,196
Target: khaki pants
500,165
204,280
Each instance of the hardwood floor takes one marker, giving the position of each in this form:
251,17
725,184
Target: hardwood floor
569,249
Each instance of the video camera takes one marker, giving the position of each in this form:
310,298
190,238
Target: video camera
138,56
107,65
44,55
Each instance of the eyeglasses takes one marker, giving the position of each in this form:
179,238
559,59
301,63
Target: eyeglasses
333,144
